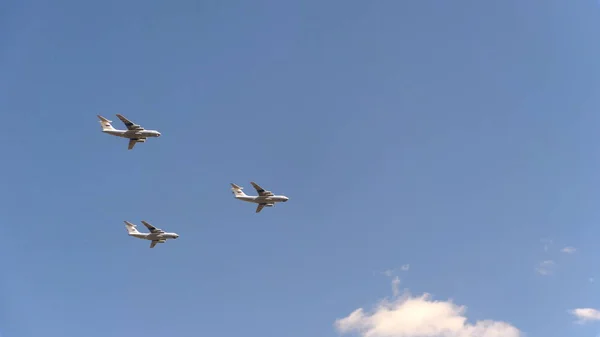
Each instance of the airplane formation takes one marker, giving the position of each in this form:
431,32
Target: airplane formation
138,134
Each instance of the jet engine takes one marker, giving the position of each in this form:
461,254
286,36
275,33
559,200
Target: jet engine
162,241
269,205
141,140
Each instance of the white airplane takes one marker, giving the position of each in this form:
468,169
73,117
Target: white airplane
156,235
135,132
264,198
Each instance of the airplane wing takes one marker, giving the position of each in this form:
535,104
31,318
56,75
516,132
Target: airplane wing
261,191
132,143
261,206
151,228
153,243
129,124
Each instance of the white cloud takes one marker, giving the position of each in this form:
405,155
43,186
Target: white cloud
388,272
585,315
568,250
545,267
409,316
396,286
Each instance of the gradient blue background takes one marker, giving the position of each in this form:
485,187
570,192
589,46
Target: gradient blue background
451,135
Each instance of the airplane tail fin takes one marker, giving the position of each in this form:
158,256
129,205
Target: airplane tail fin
105,123
237,190
130,228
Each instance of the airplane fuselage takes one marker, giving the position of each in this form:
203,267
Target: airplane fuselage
155,236
263,200
133,133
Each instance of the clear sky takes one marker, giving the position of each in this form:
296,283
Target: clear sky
448,148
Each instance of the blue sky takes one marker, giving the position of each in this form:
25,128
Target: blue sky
458,138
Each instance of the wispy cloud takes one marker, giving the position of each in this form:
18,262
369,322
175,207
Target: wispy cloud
409,316
568,250
390,272
396,286
547,243
585,315
545,267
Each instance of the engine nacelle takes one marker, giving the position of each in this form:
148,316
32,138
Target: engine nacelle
162,241
141,140
269,205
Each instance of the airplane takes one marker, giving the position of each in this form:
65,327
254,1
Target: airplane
264,198
135,132
156,235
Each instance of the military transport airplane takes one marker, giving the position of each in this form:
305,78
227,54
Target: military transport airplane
156,235
264,198
135,132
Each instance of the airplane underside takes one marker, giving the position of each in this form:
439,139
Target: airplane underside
154,242
133,141
262,205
